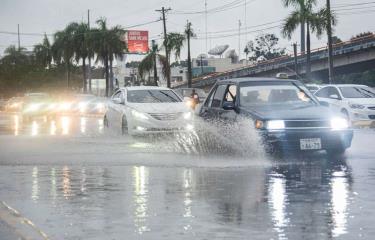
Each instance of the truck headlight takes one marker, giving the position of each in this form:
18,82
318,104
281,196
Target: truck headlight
275,125
356,106
139,115
338,123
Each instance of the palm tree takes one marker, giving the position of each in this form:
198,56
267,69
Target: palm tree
81,47
174,43
116,49
149,63
43,53
107,45
101,44
14,56
63,48
302,14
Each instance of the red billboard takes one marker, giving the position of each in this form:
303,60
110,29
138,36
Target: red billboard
137,41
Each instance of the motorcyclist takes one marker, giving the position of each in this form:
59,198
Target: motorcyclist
194,99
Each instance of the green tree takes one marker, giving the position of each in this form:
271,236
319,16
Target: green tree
361,35
81,42
116,50
304,13
107,44
149,63
63,48
336,40
264,47
43,53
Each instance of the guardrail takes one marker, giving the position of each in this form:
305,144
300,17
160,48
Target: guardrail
318,53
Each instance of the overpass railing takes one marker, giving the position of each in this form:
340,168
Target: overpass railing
316,54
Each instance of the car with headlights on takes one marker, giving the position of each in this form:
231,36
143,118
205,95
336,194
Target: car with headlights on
87,104
14,104
146,109
283,112
36,105
355,102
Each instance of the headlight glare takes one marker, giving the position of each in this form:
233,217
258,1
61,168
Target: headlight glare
187,115
276,124
33,107
338,123
139,115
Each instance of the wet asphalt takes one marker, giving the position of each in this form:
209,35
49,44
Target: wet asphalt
75,179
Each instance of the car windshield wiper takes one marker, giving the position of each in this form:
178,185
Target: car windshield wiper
152,95
302,90
173,100
364,94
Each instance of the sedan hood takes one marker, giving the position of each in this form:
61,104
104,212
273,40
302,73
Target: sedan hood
160,107
312,112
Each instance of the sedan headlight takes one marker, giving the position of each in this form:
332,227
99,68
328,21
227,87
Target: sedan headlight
275,125
356,106
139,115
187,115
339,123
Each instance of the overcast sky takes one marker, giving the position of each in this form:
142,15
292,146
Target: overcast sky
39,16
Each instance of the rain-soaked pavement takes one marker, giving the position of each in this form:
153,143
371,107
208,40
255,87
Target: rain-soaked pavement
74,179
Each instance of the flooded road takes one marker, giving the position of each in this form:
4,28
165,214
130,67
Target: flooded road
74,179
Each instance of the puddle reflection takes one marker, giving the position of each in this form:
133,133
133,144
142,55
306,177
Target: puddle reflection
140,175
62,125
285,201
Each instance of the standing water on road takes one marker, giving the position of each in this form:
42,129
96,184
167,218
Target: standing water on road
74,179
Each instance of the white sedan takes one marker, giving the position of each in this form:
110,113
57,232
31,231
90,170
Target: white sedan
145,109
356,102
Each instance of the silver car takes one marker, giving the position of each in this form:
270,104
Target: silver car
145,109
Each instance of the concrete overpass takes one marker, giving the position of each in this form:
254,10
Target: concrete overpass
353,56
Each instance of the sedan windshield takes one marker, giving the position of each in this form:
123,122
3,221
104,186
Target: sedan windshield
274,94
152,96
357,92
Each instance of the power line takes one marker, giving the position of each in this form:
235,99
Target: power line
352,4
351,9
245,28
226,7
50,34
248,32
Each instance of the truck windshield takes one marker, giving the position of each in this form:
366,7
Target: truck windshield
273,94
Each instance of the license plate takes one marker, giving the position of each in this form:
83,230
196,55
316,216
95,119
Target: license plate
311,144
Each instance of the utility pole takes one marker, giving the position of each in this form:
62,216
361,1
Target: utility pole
89,55
303,38
202,70
330,47
188,33
239,39
205,15
155,50
18,34
295,59
163,11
